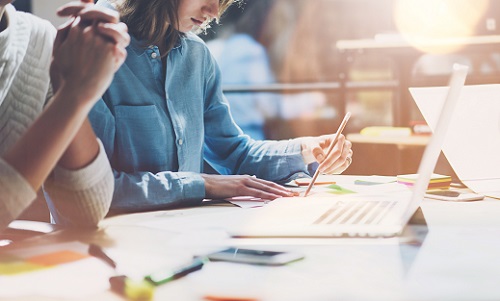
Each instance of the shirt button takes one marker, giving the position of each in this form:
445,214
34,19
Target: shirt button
180,141
153,55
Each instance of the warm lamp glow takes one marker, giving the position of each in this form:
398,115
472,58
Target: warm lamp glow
424,23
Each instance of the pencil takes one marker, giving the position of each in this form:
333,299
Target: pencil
330,148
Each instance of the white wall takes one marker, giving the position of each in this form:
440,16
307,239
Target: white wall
46,9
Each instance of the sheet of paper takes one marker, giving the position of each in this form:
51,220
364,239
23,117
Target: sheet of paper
352,188
55,271
341,185
489,188
472,143
199,222
247,201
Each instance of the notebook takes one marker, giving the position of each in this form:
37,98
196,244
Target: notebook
472,143
356,215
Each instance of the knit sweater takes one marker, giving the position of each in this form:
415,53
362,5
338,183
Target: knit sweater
77,197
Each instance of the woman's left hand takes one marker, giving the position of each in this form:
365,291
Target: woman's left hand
314,149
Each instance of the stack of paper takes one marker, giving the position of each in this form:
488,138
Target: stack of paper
437,181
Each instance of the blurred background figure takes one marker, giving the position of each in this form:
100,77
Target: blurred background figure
298,37
243,61
262,42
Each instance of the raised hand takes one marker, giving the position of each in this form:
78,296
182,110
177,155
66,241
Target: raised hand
89,48
107,20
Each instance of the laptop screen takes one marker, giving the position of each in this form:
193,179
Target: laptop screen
433,149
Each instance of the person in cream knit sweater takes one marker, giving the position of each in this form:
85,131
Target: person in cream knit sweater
49,81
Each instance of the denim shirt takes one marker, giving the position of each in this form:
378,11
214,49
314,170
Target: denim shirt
243,61
157,130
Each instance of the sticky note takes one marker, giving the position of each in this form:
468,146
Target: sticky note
228,298
319,181
55,258
336,189
10,265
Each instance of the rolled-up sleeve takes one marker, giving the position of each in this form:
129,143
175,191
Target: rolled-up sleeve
81,197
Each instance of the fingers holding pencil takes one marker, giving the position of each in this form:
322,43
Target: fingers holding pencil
338,149
339,159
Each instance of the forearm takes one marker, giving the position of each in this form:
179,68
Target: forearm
274,161
43,144
82,150
142,191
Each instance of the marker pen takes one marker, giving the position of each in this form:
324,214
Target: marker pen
136,290
162,277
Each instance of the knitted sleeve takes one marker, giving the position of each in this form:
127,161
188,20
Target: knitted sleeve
81,197
16,194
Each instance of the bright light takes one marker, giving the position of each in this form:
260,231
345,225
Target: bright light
427,23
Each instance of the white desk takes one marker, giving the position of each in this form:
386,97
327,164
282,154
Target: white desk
458,259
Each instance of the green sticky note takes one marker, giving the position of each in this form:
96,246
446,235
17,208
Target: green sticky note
336,189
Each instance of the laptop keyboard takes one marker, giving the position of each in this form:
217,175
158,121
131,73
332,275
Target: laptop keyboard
356,213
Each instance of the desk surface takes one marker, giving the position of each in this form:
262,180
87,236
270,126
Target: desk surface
458,258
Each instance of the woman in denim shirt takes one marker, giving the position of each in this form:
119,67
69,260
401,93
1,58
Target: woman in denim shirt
164,115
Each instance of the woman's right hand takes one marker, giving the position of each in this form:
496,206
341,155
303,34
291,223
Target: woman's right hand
222,187
88,50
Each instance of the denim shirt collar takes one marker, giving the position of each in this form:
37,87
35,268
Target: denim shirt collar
139,47
136,45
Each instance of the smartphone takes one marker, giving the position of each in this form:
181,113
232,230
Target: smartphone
453,195
255,256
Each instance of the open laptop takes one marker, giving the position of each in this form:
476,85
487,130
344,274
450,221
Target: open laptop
356,215
472,143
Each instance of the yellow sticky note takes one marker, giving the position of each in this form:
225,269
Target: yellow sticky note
12,265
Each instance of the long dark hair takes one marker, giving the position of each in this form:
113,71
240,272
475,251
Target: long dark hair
150,20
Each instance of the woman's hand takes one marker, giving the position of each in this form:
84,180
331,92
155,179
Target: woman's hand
107,20
314,149
88,50
221,187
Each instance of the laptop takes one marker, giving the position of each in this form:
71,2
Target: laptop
472,143
356,215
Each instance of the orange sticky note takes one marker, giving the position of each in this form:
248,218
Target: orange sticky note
228,298
55,258
319,181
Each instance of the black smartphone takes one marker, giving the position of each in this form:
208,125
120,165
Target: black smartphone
255,256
